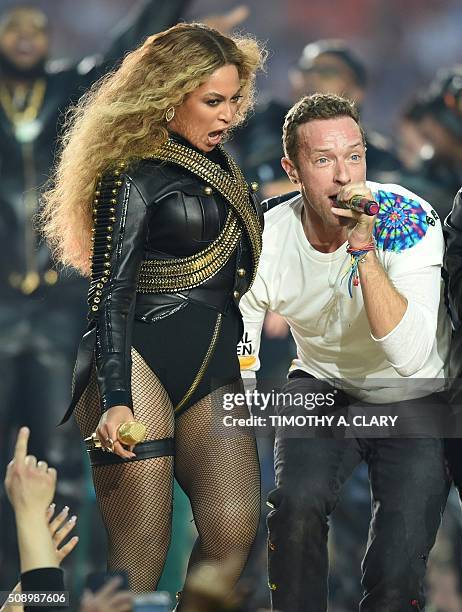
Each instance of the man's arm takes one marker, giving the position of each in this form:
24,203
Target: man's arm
385,306
402,301
151,17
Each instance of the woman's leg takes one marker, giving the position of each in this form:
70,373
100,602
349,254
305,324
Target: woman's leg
135,498
219,471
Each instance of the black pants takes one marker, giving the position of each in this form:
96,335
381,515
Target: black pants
409,487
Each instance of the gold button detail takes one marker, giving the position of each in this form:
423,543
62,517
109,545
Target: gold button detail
99,285
272,586
241,272
237,295
96,300
271,546
208,190
94,308
254,186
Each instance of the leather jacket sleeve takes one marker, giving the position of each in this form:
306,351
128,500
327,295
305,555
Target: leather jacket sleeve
453,260
113,291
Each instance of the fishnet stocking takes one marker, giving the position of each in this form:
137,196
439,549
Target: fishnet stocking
218,469
135,498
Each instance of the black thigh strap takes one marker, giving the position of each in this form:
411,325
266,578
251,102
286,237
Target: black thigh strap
145,450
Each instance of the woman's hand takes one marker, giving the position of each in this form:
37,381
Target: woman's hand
107,430
29,484
60,528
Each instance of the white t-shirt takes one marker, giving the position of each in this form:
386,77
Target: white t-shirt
330,328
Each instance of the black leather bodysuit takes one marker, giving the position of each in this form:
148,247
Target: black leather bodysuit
161,211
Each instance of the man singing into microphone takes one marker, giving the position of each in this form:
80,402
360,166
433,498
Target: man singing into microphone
361,293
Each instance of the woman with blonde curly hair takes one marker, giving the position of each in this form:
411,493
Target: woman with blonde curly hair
147,203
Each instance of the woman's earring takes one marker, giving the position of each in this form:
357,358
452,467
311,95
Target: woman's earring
170,114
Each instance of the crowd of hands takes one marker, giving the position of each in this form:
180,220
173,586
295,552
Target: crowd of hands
44,541
43,535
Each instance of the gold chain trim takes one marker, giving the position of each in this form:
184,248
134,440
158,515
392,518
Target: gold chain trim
166,275
233,188
205,362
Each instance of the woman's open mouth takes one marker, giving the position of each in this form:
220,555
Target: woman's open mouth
216,137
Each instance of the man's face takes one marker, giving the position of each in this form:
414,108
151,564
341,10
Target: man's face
328,75
24,39
331,154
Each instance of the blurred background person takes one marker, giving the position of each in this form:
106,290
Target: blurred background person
441,125
412,147
331,66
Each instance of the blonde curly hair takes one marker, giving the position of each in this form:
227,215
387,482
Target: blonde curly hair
123,118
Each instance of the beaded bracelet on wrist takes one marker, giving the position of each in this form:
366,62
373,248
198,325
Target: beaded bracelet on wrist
358,255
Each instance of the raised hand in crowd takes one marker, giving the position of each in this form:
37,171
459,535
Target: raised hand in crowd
226,22
107,599
30,486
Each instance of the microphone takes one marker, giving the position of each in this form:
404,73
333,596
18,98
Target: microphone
361,205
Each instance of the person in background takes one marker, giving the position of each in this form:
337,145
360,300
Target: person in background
412,147
453,266
441,125
331,66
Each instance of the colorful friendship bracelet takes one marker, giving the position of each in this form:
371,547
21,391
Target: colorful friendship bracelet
357,256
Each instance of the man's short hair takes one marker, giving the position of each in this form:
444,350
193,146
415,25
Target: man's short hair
309,108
